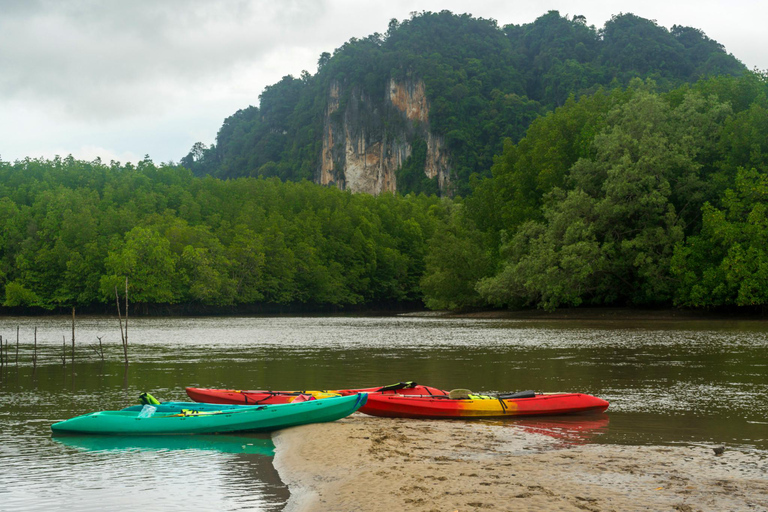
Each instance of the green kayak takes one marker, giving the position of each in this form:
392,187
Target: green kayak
264,418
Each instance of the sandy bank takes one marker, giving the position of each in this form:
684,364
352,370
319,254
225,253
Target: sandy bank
363,463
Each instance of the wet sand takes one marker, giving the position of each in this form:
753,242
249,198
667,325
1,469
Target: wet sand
362,463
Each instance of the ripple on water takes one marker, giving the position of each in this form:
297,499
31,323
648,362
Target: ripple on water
695,382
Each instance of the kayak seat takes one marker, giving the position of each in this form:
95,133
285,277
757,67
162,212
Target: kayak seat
457,394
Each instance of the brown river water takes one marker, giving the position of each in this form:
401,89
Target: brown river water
677,382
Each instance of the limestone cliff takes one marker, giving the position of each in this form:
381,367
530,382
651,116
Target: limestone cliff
366,140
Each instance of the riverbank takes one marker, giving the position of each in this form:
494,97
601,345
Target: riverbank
405,309
601,314
362,463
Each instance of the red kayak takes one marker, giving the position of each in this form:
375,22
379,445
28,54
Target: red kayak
248,397
480,406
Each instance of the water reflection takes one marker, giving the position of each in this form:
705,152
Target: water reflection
667,382
252,445
569,430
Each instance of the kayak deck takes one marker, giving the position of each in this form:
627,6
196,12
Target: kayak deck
248,397
256,397
434,407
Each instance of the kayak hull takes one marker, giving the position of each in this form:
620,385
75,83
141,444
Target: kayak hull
432,407
257,397
247,419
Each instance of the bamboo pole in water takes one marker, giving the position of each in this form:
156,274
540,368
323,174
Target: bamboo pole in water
120,318
17,345
2,362
73,335
63,350
34,352
126,319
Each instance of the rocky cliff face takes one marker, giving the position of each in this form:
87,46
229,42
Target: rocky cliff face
365,140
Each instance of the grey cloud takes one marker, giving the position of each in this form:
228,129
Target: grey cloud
143,76
128,56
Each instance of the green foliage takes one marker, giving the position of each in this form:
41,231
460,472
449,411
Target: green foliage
590,167
609,239
608,201
727,263
17,295
410,177
144,257
455,261
484,84
72,231
523,173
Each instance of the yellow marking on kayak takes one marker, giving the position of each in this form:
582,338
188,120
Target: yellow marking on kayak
317,394
186,413
486,406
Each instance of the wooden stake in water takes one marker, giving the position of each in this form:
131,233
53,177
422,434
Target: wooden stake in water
2,363
17,345
101,349
126,319
73,335
34,352
63,350
120,318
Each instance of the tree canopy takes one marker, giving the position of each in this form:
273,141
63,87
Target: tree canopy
595,167
645,198
71,231
485,84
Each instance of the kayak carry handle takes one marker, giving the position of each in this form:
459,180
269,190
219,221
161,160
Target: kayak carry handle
520,394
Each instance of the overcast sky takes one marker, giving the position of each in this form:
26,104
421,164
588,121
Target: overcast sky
121,79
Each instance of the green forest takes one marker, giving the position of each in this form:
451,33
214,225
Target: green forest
641,181
628,197
73,230
485,84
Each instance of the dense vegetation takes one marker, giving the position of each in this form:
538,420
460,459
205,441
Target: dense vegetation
485,83
654,193
624,197
70,231
628,197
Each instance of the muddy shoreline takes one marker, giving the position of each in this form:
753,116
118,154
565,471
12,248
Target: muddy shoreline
362,463
602,314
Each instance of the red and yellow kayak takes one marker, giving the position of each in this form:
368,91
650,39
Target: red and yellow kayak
479,406
252,397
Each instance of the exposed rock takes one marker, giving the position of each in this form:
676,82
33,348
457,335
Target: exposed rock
365,140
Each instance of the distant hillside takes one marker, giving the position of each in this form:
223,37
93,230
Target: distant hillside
424,106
